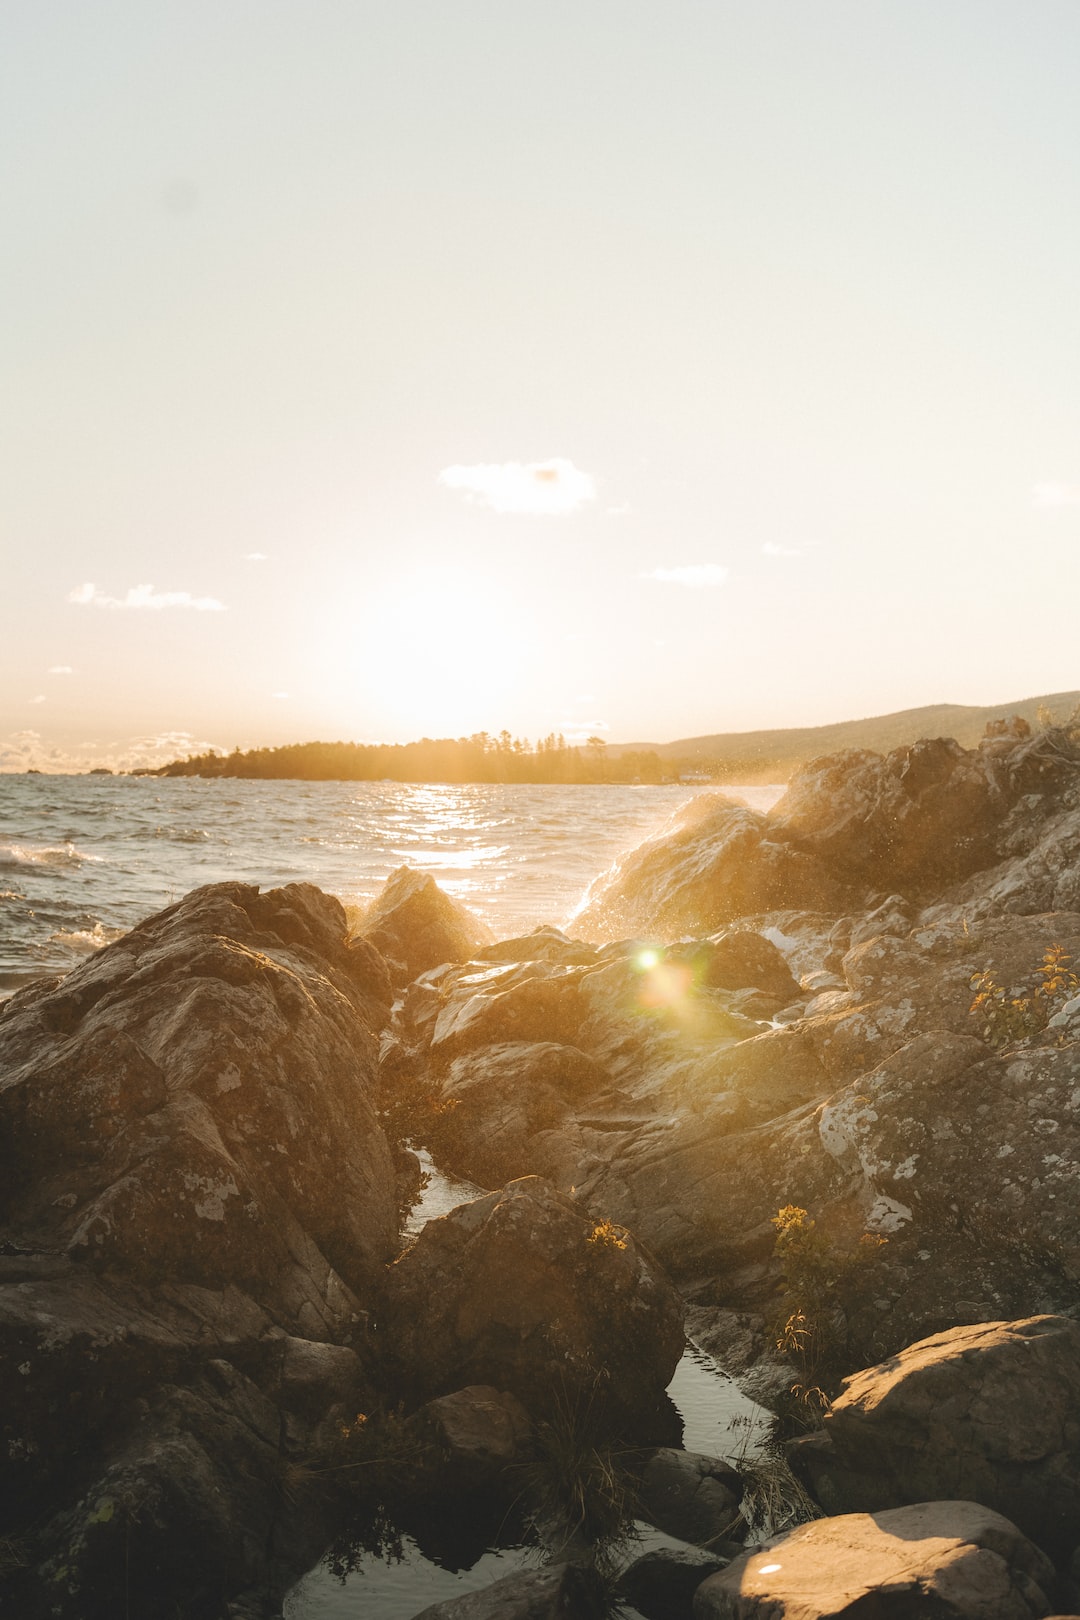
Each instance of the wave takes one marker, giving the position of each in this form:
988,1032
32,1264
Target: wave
15,856
182,835
87,939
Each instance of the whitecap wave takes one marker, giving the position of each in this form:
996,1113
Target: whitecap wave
86,939
14,856
182,835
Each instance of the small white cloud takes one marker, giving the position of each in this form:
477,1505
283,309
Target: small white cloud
255,556
578,730
624,510
584,697
1052,496
693,575
536,488
40,698
772,549
144,596
60,669
279,694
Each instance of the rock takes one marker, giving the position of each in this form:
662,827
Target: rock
469,1443
199,1201
945,1560
987,1412
557,1592
501,1097
717,861
689,1496
203,1087
661,1584
415,926
525,1290
744,960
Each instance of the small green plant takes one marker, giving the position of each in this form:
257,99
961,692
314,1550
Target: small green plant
1006,1018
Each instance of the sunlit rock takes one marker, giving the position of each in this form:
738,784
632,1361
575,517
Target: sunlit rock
990,1413
945,1560
415,926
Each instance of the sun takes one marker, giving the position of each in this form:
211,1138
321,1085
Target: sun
442,651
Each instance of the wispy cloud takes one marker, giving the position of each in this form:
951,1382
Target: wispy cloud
1051,497
144,596
40,698
537,488
60,669
255,556
772,549
693,575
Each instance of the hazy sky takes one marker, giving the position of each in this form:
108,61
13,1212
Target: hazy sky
376,368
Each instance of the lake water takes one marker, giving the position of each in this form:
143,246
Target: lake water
84,858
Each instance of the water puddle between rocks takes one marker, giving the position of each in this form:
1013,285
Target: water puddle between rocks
717,1418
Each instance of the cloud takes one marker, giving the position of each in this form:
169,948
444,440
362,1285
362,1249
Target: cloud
255,556
1052,496
771,549
40,698
60,669
624,510
537,488
578,731
693,575
279,694
144,596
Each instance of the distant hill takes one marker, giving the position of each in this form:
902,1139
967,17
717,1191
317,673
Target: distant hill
772,756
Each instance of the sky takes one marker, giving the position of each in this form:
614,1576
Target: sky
385,368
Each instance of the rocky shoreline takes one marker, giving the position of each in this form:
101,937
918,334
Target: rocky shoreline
752,1095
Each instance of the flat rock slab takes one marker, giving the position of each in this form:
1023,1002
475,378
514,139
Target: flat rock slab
948,1560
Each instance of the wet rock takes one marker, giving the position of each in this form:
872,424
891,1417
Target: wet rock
415,926
558,1592
469,1443
945,1560
987,1412
687,1495
525,1290
661,1584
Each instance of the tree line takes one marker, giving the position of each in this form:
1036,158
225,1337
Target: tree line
479,758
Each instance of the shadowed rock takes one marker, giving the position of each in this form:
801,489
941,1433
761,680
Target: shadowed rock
198,1192
523,1289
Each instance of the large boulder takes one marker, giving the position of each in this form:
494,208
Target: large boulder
717,861
195,1103
944,1560
526,1290
989,1412
851,828
415,926
198,1202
